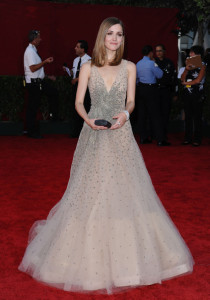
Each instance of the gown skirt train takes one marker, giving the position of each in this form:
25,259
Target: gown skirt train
109,231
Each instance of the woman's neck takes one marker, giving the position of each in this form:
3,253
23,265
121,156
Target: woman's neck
110,56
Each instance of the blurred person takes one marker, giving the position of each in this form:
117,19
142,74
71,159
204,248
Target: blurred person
207,60
166,85
193,94
147,74
37,85
81,49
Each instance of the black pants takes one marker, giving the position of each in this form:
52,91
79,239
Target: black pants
193,108
148,109
165,99
34,98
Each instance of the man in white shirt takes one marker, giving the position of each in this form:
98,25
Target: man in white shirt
81,49
36,85
82,57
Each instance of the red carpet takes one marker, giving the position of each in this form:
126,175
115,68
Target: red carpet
33,177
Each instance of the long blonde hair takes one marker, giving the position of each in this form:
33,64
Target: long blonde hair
99,51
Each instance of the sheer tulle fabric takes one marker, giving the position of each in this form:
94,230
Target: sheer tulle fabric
109,231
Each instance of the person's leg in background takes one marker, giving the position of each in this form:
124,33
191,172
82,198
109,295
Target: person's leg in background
52,93
188,110
197,104
142,115
153,107
34,97
165,108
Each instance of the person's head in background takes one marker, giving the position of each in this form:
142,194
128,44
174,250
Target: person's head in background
147,51
160,51
81,48
34,37
196,50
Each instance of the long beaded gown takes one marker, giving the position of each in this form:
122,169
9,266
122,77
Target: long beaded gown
109,231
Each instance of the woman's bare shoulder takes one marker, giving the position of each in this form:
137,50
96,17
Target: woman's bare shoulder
131,66
86,67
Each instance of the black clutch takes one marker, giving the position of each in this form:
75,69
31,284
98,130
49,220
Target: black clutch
104,123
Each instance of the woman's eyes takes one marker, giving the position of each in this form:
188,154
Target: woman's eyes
119,34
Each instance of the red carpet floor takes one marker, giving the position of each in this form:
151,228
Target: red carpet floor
33,177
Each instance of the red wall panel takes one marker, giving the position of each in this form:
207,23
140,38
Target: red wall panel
61,25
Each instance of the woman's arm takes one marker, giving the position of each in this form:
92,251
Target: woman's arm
84,76
196,80
130,103
81,90
184,74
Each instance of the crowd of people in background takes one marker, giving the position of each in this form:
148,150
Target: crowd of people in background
156,86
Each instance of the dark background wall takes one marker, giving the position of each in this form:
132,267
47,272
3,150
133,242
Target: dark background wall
61,25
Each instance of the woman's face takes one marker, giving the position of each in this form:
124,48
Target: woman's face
114,37
192,53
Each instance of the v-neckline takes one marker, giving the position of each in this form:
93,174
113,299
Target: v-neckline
108,91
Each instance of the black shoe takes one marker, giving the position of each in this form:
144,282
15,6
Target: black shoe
145,141
35,136
196,144
186,143
163,143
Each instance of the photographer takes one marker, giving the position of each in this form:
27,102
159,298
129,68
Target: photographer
193,80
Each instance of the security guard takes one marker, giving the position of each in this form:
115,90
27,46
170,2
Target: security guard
166,85
37,85
147,74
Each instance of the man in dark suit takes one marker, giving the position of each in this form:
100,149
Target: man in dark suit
166,85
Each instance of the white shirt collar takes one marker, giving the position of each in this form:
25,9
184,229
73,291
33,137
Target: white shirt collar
33,47
83,57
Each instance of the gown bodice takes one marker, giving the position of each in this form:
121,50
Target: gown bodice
105,104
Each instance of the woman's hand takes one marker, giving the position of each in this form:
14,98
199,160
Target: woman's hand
74,81
121,119
91,123
185,83
189,67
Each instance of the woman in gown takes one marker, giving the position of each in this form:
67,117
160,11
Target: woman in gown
109,231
